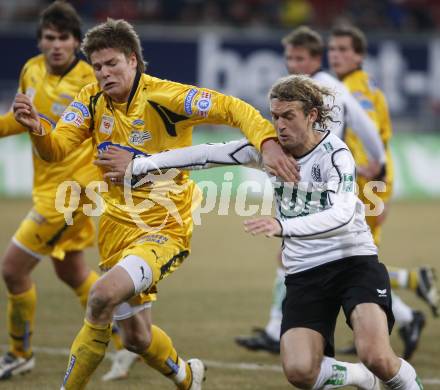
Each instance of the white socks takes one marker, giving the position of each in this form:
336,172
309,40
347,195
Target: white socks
402,312
406,379
273,328
335,374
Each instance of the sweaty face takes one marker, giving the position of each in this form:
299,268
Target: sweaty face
290,122
299,61
341,56
114,72
58,48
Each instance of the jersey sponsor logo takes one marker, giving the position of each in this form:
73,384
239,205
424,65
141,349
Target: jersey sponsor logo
107,123
188,101
139,137
103,146
302,199
157,238
81,107
316,172
204,104
347,182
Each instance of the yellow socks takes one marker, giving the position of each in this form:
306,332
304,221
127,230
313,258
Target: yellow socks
162,356
21,318
87,351
403,278
82,292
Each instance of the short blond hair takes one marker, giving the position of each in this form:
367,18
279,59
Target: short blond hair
303,89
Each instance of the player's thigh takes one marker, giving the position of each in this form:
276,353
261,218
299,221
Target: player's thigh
161,254
367,282
310,304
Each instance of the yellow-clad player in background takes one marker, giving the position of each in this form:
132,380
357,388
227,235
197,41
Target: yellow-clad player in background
346,50
144,232
51,80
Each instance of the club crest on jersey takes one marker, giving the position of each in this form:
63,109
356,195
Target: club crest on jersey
204,104
139,137
316,172
187,105
107,123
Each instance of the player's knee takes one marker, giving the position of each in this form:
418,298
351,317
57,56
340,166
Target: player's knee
301,374
375,359
102,300
10,274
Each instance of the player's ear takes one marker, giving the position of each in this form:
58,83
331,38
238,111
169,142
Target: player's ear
132,60
313,115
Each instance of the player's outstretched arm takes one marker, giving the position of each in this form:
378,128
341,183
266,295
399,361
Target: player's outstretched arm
51,145
9,126
118,162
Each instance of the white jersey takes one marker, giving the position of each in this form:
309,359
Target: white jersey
322,218
347,112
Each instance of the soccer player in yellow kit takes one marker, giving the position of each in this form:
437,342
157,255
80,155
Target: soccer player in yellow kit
346,50
145,232
51,80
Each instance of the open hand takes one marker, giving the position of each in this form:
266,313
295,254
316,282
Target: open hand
268,226
278,163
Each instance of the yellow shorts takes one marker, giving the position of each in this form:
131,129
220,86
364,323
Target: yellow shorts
164,251
44,231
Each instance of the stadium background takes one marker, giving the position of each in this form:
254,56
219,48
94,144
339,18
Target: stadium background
233,46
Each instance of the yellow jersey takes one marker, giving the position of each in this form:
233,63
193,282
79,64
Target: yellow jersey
374,103
159,115
51,94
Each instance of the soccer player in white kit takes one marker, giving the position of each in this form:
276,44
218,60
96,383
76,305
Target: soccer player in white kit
303,52
328,250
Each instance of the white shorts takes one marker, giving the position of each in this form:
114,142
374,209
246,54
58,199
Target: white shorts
142,277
